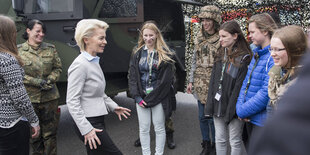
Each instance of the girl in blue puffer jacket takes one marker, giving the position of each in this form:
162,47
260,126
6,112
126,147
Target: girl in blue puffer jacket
253,97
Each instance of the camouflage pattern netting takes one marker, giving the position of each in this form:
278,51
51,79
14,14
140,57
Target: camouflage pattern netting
291,12
125,8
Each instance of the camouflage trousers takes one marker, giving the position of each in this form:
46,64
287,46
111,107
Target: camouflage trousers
48,115
169,126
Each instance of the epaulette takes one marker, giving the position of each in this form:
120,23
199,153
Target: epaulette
24,46
45,45
19,45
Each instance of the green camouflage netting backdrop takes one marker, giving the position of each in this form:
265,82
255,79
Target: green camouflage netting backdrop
289,12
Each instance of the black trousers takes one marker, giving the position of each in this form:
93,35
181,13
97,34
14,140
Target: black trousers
107,146
251,130
15,140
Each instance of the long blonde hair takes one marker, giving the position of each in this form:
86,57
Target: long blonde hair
8,37
160,45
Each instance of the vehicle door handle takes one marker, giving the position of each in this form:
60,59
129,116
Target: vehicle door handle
133,29
72,43
69,28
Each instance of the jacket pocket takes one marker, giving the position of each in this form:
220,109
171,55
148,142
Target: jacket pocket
47,64
47,59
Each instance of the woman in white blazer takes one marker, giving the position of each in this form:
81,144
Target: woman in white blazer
86,99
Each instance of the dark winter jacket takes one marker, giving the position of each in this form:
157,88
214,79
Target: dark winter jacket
163,92
233,77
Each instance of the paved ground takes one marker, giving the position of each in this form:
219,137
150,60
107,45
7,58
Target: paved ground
124,133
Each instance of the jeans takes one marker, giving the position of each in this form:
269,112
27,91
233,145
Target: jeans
15,140
233,131
206,124
157,116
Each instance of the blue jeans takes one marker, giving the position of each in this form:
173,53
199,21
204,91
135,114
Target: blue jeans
206,124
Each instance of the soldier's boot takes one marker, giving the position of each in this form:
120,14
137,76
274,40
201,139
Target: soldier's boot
213,150
137,143
37,148
170,141
206,145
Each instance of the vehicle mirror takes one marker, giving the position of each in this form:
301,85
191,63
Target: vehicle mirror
18,6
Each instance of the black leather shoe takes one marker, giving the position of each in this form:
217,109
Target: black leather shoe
137,143
170,141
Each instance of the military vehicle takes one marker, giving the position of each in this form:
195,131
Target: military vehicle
124,17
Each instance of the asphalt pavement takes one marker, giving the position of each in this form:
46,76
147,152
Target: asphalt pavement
187,132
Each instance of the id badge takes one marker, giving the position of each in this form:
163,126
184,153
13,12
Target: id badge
149,90
218,96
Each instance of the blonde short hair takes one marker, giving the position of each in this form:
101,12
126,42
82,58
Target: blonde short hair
85,29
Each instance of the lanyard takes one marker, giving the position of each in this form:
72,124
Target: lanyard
150,63
223,69
249,80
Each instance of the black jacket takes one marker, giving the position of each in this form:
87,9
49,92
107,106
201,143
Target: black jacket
162,93
233,77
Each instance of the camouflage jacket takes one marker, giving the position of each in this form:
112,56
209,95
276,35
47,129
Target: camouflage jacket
205,50
40,64
276,86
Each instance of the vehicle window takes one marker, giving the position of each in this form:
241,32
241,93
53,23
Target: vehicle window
48,6
118,8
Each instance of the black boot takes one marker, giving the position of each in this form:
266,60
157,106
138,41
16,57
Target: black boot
137,143
170,141
213,150
206,145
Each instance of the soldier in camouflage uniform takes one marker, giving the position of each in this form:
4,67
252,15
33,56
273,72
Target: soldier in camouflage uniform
42,67
206,46
287,46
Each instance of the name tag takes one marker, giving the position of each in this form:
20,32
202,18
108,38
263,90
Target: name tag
218,96
149,90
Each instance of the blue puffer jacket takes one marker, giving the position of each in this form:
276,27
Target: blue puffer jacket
253,104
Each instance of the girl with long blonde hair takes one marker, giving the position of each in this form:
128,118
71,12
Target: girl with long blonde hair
151,74
164,53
